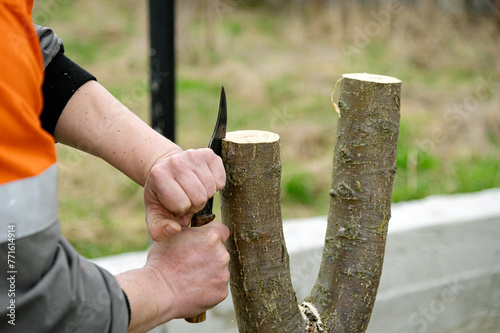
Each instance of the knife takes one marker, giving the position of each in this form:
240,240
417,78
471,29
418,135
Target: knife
205,215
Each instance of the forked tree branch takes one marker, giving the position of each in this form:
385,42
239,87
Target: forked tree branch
363,172
364,166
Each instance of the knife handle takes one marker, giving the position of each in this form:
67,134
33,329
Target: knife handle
198,221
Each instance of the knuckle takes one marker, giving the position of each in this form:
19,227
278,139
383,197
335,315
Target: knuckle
211,190
225,229
227,276
182,208
191,154
206,151
176,161
155,171
219,161
208,155
198,202
221,181
212,237
221,286
225,258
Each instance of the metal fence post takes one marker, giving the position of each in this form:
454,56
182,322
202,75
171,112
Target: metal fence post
162,66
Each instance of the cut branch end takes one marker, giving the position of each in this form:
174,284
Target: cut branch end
252,137
371,78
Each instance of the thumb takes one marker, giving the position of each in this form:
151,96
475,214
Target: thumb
161,227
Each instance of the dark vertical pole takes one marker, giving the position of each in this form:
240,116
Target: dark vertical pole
162,62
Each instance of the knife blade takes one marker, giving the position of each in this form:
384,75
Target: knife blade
205,215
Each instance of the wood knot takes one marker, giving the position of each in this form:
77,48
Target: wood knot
345,154
344,192
349,231
348,189
250,235
386,128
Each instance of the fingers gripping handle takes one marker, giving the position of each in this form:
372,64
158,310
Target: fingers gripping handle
198,221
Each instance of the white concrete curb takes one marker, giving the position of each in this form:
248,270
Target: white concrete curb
309,233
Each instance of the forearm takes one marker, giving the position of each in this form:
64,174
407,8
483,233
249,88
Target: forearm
96,122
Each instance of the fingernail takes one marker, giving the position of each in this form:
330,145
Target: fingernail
169,230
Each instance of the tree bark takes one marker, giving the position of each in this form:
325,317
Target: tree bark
263,296
364,165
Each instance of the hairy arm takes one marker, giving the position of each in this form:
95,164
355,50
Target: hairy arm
95,122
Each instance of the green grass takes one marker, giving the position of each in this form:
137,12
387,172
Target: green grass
433,176
233,28
279,68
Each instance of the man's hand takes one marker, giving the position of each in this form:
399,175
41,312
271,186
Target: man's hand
194,268
183,276
178,186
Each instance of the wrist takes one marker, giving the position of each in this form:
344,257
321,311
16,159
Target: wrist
172,150
149,299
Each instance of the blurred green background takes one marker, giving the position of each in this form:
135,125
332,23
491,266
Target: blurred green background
279,61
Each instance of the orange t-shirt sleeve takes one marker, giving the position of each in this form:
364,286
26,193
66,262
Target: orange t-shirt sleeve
25,148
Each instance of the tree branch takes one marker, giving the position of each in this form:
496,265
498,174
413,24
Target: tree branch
364,165
261,287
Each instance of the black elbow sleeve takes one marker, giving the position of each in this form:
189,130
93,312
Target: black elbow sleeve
62,78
